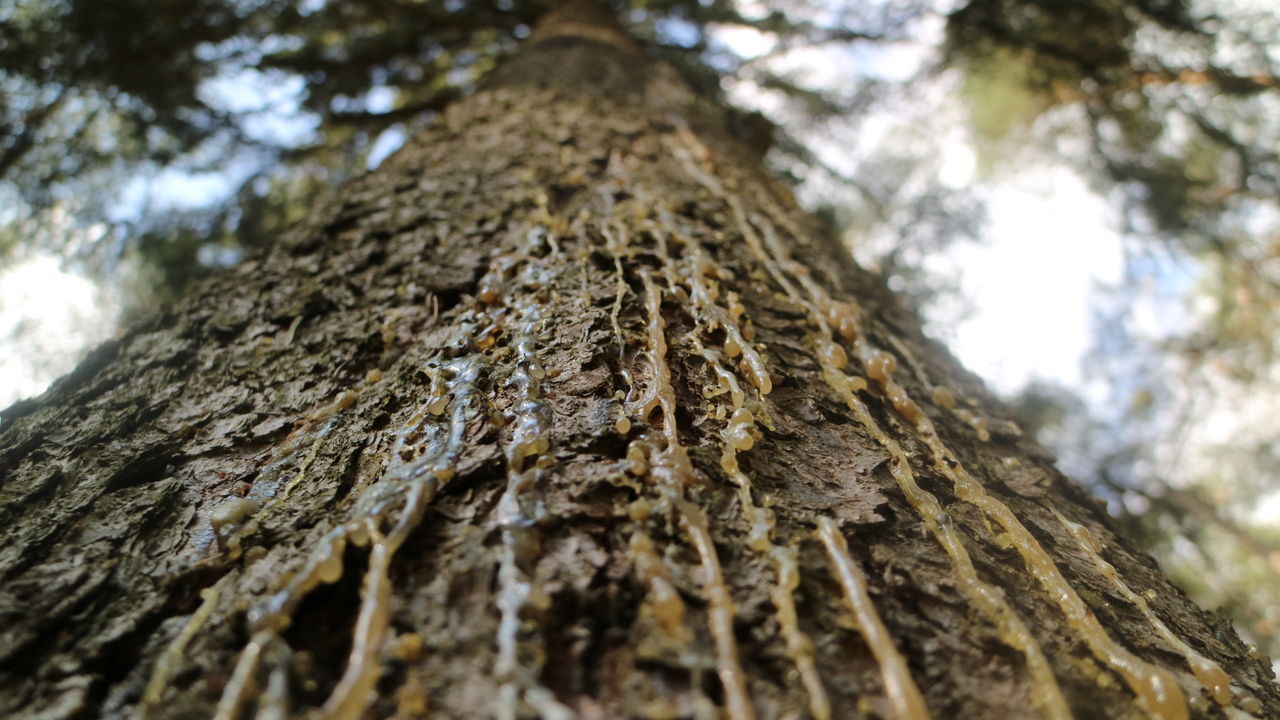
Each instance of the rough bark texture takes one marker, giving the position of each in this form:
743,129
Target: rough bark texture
567,410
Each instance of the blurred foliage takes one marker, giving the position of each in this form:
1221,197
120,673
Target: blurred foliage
157,141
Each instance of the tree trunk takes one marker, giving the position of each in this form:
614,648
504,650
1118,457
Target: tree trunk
567,411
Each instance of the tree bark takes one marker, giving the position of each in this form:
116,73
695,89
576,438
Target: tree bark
567,411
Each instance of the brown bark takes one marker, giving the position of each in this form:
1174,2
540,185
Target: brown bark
561,413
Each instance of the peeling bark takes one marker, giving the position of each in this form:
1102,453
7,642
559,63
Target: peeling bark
567,411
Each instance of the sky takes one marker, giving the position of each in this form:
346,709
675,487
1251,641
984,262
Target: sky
1052,244
49,318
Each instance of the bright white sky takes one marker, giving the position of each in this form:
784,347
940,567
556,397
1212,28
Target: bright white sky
1050,246
48,319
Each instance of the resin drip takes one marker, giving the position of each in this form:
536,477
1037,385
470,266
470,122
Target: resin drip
668,607
1158,693
617,248
417,481
739,435
904,697
518,516
987,599
423,459
845,319
1209,673
243,679
672,472
799,646
1155,688
236,519
700,273
167,665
